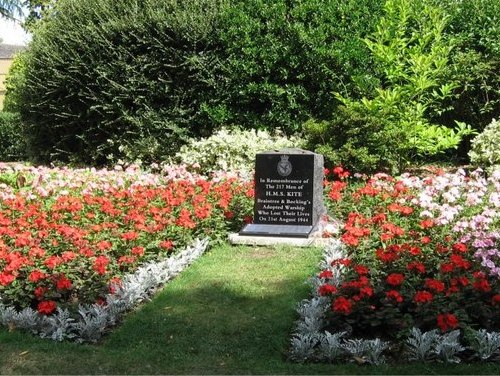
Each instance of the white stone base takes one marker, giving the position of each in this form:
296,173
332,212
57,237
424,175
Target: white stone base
311,241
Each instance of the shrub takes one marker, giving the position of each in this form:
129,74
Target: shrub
485,149
475,60
135,79
108,80
231,149
283,59
411,53
12,142
14,79
353,138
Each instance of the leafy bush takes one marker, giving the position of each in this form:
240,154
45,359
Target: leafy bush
475,61
106,80
353,138
133,80
231,149
283,59
485,149
411,53
14,79
12,142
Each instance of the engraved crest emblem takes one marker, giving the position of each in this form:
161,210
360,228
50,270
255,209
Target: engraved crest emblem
284,166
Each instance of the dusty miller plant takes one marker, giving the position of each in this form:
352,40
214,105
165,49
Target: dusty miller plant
419,345
447,346
303,346
366,350
485,344
330,346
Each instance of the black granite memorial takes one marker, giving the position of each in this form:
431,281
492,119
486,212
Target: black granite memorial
288,194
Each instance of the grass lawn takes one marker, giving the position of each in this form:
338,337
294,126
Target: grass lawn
230,313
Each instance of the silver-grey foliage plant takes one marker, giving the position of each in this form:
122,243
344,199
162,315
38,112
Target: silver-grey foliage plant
485,344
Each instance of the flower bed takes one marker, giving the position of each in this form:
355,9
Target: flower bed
68,237
418,259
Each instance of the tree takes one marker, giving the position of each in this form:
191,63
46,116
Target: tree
37,10
10,9
411,54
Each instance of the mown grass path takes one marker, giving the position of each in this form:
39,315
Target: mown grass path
230,313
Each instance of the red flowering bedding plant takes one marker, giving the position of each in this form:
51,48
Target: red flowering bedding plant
68,236
411,262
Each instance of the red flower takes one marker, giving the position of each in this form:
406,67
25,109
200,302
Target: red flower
104,245
326,274
166,244
462,281
415,251
342,261
138,251
63,283
495,300
379,218
365,291
479,275
52,261
434,284
416,266
342,305
482,285
36,275
459,248
394,295
100,264
447,267
423,297
185,220
361,270
349,239
406,210
447,321
6,279
395,279
68,256
40,292
46,307
338,170
326,289
425,240
131,235
427,223
386,256
126,260
459,262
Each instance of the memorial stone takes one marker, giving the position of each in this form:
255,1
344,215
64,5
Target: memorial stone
288,194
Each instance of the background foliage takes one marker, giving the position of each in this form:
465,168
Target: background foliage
133,80
110,80
136,80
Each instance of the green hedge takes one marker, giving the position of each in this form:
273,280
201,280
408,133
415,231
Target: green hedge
12,140
108,80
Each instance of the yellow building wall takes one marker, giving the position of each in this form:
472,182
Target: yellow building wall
4,69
